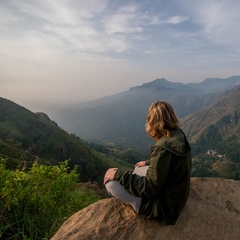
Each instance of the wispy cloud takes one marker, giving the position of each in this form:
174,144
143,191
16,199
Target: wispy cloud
7,17
171,20
124,20
111,40
218,20
220,25
78,26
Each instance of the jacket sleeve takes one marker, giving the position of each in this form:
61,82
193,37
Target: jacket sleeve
147,186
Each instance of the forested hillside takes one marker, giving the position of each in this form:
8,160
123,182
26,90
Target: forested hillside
26,137
214,134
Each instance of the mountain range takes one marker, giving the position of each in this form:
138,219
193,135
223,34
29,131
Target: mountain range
110,132
208,112
121,118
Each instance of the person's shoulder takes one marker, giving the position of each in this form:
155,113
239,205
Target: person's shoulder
177,135
177,132
174,144
165,140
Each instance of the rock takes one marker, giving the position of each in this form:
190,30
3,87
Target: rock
212,212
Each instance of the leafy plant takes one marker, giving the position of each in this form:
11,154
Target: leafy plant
35,203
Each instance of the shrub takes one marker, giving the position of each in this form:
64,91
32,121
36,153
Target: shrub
35,203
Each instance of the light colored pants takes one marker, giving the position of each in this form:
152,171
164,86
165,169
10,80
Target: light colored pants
116,190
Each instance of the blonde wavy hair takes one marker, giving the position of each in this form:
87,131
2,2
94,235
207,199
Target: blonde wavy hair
161,120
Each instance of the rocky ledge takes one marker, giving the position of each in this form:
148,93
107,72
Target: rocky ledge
212,212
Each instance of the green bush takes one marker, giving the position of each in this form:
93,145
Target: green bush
35,203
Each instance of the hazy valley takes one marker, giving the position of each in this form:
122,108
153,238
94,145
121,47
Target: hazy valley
121,118
111,131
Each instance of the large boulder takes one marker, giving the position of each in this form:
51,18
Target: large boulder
211,213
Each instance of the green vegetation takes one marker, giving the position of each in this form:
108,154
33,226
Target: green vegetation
231,147
213,166
26,137
216,128
35,203
110,149
38,188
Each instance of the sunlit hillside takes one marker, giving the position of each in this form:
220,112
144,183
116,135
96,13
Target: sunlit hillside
214,134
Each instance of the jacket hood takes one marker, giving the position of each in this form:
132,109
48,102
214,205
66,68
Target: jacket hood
176,144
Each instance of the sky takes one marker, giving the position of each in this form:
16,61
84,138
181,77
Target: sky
67,51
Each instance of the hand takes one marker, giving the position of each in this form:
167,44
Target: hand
109,175
140,164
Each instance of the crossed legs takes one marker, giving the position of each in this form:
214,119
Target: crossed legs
116,190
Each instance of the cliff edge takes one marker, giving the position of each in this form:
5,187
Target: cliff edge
212,212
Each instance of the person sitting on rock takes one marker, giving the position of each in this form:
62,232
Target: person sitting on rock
158,187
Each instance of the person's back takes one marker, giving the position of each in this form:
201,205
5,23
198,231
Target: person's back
171,164
164,189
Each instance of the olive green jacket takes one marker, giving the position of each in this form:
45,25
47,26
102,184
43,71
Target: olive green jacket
165,188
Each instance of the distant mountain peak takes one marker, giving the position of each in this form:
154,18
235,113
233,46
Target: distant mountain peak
233,79
157,82
161,83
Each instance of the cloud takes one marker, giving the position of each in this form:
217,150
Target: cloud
107,41
61,12
171,20
46,29
125,20
6,18
217,20
71,27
